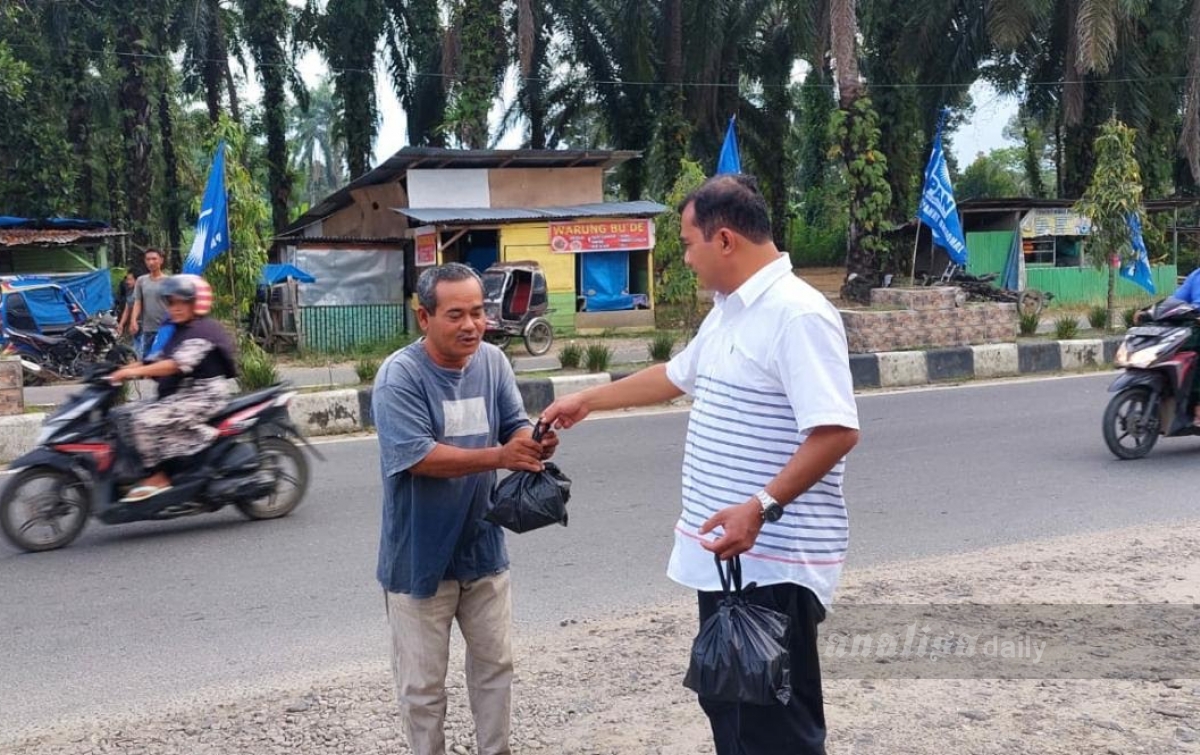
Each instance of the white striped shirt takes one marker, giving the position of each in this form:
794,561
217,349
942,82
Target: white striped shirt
767,366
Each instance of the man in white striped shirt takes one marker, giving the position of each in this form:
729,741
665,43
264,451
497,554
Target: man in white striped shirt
772,420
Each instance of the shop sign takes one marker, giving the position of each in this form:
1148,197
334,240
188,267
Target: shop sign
427,242
609,235
1059,221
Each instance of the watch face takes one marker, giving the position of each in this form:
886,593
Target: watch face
773,513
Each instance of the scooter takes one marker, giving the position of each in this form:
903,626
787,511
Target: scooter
80,469
1153,395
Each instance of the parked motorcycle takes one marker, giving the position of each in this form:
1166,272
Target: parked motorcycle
81,468
70,355
1153,395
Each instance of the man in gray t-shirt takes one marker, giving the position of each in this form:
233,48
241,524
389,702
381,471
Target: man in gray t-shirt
449,416
148,312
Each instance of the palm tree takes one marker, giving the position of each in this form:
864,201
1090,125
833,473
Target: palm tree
614,42
413,41
474,58
207,32
267,25
316,133
346,33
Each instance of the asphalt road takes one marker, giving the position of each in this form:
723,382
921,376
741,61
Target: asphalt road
132,615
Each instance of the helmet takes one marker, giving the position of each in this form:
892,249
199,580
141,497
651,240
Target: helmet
191,288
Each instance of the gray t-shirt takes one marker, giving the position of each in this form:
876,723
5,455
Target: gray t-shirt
154,312
433,529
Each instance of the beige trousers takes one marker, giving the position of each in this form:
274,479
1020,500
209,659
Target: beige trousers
421,652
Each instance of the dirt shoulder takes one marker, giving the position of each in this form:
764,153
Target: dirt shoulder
612,686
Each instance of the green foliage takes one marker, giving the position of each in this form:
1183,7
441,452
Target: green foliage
1114,193
256,369
1066,327
234,275
570,356
1028,323
597,357
674,282
816,245
366,368
661,346
477,56
1128,315
1098,317
994,176
855,137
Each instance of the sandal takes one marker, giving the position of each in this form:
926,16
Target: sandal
144,492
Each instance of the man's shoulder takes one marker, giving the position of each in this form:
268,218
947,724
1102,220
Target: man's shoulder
400,363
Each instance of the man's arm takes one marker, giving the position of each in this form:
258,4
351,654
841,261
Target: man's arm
819,453
136,317
446,461
645,388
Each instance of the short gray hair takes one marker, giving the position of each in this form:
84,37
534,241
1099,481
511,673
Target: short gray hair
431,277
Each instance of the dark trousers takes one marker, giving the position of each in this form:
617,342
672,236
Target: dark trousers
797,728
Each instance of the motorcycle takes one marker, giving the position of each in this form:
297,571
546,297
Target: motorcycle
80,469
1153,395
70,355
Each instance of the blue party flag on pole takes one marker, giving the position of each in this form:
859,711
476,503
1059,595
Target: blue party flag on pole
938,210
212,227
1137,270
729,161
212,235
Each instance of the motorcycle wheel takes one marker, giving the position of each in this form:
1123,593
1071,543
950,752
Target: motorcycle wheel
499,340
1128,432
539,337
281,458
59,509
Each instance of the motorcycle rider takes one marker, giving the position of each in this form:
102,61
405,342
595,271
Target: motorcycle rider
194,375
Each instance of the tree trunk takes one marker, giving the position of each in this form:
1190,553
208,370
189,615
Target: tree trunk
843,18
171,209
79,134
135,129
1112,285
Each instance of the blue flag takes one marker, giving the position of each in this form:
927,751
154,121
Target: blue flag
212,227
729,161
1137,270
212,235
938,209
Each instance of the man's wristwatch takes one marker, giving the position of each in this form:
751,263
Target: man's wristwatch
771,510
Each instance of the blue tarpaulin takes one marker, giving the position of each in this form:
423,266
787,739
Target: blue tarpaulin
49,305
273,274
7,221
606,281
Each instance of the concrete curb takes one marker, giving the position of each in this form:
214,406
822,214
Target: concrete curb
349,410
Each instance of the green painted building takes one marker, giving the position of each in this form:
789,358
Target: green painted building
1040,244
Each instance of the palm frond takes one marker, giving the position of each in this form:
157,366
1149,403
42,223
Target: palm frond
1096,34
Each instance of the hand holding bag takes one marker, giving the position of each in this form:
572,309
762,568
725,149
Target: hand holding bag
526,501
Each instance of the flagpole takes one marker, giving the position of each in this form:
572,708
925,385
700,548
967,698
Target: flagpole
916,241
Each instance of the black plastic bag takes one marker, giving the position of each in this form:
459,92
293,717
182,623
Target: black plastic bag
741,652
526,501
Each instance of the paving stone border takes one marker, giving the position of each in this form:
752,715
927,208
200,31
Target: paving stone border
349,410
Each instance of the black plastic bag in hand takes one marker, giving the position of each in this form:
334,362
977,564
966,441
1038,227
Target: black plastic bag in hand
526,501
741,653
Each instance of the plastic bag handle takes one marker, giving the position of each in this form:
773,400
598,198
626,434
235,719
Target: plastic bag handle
539,430
731,576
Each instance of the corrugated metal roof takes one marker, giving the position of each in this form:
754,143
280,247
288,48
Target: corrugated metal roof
431,158
50,237
460,216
